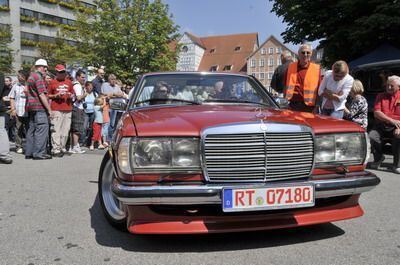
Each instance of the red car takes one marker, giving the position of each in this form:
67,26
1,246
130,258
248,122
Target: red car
212,152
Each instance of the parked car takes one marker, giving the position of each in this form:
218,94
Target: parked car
212,152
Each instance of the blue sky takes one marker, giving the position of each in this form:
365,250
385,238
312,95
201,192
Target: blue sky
221,17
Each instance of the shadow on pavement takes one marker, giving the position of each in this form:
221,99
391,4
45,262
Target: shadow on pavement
108,236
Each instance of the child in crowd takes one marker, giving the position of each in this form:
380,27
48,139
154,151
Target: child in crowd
106,121
99,104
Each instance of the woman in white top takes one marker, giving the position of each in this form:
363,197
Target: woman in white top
334,89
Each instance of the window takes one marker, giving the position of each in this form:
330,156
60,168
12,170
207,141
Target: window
212,50
271,50
271,62
262,62
214,68
28,13
278,50
227,67
262,76
184,48
4,3
263,51
270,74
237,48
49,17
87,5
279,61
253,63
28,59
46,39
29,36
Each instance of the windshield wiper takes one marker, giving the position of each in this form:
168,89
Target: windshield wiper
236,101
168,99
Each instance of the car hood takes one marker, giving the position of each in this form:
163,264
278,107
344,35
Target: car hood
191,120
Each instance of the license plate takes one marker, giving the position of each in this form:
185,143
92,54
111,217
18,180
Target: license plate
277,197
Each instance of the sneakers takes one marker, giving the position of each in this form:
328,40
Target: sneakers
20,151
91,148
77,150
101,146
376,164
396,170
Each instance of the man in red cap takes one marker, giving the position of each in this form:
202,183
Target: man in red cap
61,94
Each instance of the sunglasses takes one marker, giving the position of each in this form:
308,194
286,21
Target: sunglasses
305,53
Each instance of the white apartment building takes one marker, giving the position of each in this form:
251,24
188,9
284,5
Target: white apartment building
35,21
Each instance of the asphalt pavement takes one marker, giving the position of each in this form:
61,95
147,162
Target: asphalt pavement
50,214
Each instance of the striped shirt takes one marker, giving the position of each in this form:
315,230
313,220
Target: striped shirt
35,86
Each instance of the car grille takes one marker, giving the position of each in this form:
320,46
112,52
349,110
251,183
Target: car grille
256,157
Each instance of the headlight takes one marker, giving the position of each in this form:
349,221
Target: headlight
346,149
123,156
166,154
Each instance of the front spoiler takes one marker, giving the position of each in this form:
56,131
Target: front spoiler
211,193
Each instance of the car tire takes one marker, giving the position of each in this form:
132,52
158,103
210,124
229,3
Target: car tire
113,210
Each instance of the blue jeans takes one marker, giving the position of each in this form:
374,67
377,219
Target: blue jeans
38,134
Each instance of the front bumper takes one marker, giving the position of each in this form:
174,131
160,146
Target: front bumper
211,194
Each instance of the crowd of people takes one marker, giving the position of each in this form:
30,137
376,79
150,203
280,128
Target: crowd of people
50,116
65,113
340,96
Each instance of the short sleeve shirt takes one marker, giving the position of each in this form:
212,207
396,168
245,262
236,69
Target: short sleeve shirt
78,90
18,94
35,87
64,103
106,88
388,104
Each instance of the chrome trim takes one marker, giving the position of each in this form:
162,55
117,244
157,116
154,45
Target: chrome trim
254,127
212,194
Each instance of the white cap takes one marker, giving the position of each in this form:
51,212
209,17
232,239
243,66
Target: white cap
41,62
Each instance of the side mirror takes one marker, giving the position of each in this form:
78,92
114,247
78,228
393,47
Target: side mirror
118,103
282,102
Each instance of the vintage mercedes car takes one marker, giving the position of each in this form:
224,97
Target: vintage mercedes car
212,152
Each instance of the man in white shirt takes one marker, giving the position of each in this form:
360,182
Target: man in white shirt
78,112
17,102
334,89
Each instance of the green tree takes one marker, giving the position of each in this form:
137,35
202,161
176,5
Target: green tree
347,28
6,57
129,37
59,52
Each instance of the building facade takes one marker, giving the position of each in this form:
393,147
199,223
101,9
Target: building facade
36,21
262,62
222,53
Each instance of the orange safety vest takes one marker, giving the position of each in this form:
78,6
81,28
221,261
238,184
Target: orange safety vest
310,86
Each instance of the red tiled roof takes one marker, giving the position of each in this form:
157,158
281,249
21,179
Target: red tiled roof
224,51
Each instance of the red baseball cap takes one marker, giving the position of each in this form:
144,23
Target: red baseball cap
60,68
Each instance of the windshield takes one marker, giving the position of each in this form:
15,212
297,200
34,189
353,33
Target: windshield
199,89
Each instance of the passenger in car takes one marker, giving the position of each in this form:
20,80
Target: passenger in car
185,94
161,92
